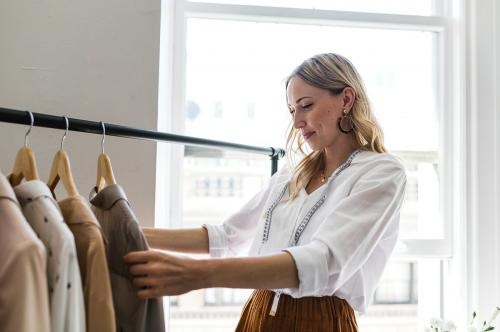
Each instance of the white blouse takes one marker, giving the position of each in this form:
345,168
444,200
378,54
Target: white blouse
346,244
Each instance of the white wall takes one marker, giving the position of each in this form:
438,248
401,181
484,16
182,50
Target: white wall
95,60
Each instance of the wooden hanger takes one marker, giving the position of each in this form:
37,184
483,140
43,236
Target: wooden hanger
25,163
105,175
61,169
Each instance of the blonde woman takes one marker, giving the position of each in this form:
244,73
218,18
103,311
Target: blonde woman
321,232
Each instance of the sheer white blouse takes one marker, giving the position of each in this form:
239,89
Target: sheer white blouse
346,244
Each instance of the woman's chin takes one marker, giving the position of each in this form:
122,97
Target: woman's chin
313,147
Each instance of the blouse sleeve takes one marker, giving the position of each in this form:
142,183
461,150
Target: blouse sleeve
351,232
238,230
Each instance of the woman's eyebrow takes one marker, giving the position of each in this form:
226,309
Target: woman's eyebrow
298,100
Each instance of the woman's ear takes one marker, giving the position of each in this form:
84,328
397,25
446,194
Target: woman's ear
349,95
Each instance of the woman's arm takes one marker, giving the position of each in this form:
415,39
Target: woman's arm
159,274
188,240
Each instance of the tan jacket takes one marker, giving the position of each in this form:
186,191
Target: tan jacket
91,252
24,299
123,235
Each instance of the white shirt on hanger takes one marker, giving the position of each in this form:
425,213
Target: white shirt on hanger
347,243
67,311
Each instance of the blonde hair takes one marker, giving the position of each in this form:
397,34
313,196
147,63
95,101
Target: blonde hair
331,72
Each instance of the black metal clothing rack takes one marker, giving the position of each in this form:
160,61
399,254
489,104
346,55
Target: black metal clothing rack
59,122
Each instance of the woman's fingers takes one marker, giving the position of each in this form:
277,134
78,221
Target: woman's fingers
172,290
145,262
151,292
150,268
141,256
150,282
157,273
156,286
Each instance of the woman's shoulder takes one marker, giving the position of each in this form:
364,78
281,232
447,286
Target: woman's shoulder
369,165
383,169
369,159
363,160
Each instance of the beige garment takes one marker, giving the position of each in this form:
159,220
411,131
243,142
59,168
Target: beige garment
91,252
123,235
24,299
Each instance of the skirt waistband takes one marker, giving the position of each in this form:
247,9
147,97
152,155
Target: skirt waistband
327,313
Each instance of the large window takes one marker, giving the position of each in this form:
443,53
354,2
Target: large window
230,59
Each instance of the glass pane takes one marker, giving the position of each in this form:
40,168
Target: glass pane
407,297
235,92
407,7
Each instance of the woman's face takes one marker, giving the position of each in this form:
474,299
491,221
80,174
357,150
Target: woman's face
315,112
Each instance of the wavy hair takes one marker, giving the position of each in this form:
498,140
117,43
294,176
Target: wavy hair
331,72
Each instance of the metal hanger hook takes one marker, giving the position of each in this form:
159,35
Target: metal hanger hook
103,136
65,133
32,122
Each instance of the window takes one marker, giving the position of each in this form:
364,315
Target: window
233,57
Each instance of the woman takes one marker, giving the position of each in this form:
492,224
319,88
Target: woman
321,232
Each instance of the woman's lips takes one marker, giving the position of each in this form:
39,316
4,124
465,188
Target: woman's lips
307,135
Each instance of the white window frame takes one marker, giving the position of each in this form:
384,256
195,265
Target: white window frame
449,159
452,107
478,245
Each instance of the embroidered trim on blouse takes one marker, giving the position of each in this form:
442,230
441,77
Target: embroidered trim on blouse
310,213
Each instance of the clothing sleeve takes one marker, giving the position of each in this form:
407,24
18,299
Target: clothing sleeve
351,232
236,232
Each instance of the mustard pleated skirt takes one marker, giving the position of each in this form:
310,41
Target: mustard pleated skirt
314,314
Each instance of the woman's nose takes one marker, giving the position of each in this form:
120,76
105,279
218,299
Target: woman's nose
298,121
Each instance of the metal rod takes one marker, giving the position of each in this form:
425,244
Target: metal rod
92,127
274,164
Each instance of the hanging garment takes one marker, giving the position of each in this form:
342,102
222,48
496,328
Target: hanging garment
67,310
24,299
123,235
91,252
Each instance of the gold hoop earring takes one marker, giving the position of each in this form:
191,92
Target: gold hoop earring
345,122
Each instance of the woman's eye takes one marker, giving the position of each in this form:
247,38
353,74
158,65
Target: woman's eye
308,106
291,111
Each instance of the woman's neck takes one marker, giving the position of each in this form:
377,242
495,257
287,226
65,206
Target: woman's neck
337,155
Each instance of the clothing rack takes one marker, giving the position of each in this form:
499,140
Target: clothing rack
93,127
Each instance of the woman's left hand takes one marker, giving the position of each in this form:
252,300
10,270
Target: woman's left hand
158,274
